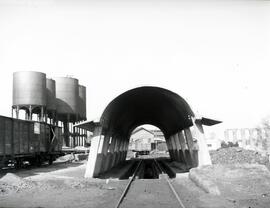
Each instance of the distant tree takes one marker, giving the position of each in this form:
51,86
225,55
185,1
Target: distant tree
229,144
223,144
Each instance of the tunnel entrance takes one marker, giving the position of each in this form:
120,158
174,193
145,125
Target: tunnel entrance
146,105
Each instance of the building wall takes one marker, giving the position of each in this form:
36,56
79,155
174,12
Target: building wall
147,139
142,134
141,139
213,144
257,139
212,141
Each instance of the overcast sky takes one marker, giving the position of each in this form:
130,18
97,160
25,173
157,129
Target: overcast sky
215,54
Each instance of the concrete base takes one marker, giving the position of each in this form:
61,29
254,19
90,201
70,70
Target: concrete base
98,166
93,162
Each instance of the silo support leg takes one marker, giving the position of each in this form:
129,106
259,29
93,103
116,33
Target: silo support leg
17,112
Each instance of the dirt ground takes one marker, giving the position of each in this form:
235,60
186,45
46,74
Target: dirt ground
63,185
149,193
243,185
60,185
194,197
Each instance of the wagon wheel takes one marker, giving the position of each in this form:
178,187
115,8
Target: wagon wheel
38,161
18,163
51,159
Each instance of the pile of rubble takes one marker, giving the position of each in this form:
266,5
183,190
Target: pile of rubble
233,155
12,183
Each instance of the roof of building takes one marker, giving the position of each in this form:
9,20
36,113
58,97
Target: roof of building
140,129
157,133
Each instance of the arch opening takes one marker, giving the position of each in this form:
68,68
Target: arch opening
147,141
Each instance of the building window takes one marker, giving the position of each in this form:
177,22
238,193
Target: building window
209,145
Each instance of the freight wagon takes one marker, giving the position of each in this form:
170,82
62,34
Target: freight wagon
31,142
142,146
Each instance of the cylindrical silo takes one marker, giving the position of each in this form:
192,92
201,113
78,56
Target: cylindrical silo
51,100
29,92
82,102
29,88
67,95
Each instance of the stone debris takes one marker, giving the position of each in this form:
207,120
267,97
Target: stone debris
13,183
81,148
66,158
244,179
72,158
233,155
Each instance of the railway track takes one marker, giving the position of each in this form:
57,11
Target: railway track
150,169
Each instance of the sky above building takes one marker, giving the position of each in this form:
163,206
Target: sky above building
215,54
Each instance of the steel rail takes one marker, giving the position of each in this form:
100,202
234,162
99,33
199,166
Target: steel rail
128,185
171,186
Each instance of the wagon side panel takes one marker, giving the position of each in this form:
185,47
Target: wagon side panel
16,136
2,136
8,137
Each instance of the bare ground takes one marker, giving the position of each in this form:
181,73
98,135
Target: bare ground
63,185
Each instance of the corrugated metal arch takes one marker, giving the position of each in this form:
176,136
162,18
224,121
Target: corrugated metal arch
147,105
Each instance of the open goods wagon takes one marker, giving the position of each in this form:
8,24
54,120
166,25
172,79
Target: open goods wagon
31,142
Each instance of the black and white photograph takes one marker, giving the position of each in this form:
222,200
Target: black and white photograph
135,104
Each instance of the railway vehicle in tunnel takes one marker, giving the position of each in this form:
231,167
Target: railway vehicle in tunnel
183,130
147,139
141,140
28,141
